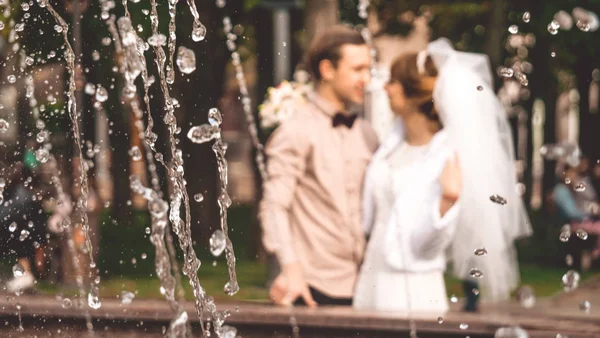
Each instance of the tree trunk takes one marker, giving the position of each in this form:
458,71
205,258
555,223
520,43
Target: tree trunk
588,122
319,16
494,46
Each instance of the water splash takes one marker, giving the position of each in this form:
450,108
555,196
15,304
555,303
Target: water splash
165,261
565,233
498,199
158,212
570,280
186,60
175,170
198,30
172,40
224,201
74,115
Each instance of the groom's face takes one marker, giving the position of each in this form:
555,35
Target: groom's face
352,73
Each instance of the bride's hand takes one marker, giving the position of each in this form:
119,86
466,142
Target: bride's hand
451,180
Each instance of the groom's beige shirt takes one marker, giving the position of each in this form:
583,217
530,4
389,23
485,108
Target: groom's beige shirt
311,208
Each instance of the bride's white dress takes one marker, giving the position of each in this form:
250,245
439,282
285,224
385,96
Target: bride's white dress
404,263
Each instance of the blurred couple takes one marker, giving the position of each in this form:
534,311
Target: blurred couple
355,222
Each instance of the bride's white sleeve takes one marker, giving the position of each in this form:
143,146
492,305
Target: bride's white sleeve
435,232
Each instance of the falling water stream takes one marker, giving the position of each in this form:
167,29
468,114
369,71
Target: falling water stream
93,298
165,262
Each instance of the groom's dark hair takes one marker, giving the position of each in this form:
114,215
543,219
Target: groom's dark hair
327,45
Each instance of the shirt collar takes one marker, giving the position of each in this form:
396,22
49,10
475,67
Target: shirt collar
324,106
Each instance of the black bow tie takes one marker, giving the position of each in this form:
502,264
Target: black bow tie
342,119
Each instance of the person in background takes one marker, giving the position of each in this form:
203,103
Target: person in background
24,220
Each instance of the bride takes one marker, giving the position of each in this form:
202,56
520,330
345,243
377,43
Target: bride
419,204
410,199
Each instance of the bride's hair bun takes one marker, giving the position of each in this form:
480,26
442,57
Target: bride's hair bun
417,74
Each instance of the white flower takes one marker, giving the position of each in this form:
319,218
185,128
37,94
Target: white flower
283,101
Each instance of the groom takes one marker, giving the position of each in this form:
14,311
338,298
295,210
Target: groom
310,211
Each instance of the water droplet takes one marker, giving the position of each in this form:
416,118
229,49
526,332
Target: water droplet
567,180
231,288
89,88
148,231
585,306
513,29
453,299
498,199
93,300
11,79
42,136
553,54
480,252
58,28
67,303
526,17
553,27
506,72
214,117
511,332
24,235
440,320
198,32
186,60
227,331
220,3
42,155
565,233
582,234
144,256
584,26
127,297
217,243
579,187
18,270
106,41
20,27
202,133
526,296
1,25
522,78
569,260
570,280
4,125
479,88
157,40
476,273
463,326
198,197
135,153
101,94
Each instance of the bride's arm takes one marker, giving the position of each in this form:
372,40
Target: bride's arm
437,230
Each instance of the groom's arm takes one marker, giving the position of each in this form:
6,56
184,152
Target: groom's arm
286,154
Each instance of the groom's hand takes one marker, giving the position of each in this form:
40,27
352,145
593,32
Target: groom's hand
289,286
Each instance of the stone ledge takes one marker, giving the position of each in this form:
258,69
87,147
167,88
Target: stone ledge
261,316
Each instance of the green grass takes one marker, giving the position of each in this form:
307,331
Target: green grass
545,281
252,276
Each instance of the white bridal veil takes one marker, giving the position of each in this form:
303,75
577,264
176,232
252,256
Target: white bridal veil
476,122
